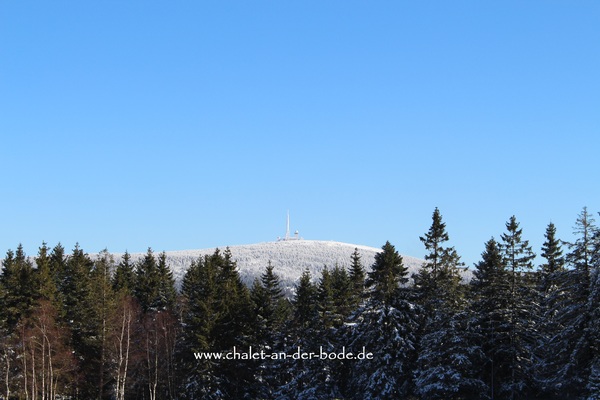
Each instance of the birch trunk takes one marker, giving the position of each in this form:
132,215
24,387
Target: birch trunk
7,375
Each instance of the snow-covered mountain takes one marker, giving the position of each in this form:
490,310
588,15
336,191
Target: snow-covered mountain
289,258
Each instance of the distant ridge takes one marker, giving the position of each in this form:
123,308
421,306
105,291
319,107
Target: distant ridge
289,258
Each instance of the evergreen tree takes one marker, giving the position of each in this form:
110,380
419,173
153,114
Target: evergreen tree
552,274
270,307
325,299
574,351
320,378
147,282
342,295
278,306
301,334
102,303
387,326
334,294
523,307
46,282
262,312
490,297
357,279
271,311
74,281
154,289
593,370
516,252
309,378
58,262
216,310
75,288
438,280
584,249
124,277
305,313
388,273
234,306
199,314
555,262
166,293
18,281
3,306
234,328
447,363
450,360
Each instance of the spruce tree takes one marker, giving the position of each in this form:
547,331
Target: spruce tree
593,369
102,303
516,252
58,262
198,315
555,262
234,306
18,281
216,310
450,360
574,350
325,299
524,310
447,363
583,251
308,378
357,279
271,282
271,310
490,299
199,292
147,282
270,307
439,277
75,288
305,303
387,274
233,327
438,282
333,303
300,333
166,293
387,327
342,295
124,277
46,282
552,274
154,289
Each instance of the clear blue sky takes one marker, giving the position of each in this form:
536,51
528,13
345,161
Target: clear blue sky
194,124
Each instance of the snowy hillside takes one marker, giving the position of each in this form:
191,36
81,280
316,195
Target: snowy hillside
289,258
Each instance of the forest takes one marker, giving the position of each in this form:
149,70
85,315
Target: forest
74,326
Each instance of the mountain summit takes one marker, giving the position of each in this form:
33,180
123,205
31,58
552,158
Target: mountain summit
289,258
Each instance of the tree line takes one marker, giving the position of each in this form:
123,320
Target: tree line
82,328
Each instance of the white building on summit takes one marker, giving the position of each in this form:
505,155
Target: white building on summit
287,232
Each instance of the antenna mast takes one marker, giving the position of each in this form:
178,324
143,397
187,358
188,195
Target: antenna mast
287,231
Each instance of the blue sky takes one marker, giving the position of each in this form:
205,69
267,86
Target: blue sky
194,124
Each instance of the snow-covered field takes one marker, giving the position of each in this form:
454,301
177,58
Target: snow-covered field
289,258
